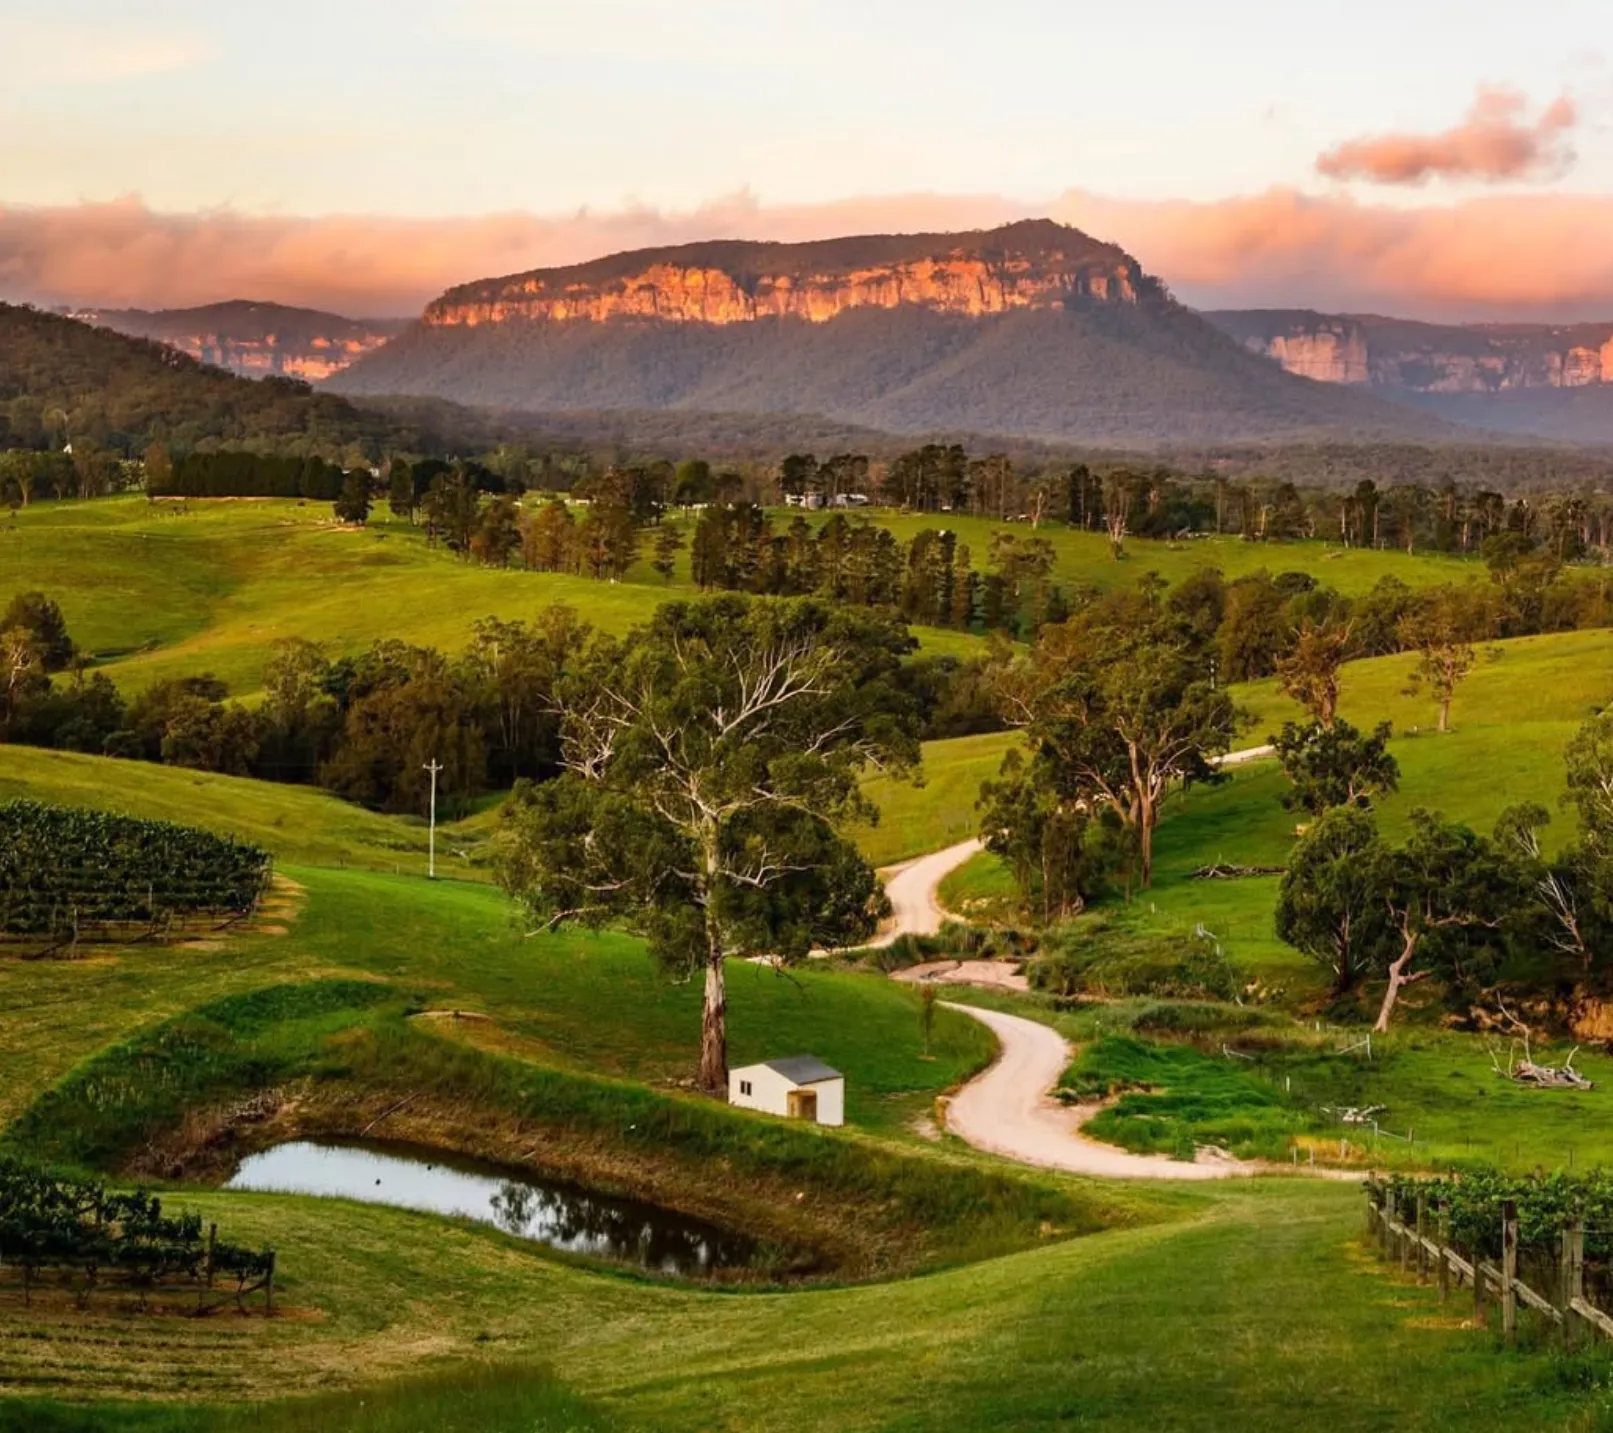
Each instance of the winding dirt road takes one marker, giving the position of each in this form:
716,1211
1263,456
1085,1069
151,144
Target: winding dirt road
1008,1111
913,886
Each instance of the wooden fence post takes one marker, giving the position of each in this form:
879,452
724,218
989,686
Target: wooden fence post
1386,1227
1405,1240
1422,1237
1478,1287
1573,1279
1443,1238
1509,1270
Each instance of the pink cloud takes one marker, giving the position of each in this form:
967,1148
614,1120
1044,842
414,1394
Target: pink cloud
1495,142
1544,257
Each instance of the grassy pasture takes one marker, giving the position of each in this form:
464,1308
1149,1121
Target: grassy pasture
293,823
1082,558
168,589
1094,1333
1511,721
914,820
573,999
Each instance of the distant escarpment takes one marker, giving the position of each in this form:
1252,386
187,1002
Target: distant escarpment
1529,378
1033,330
254,340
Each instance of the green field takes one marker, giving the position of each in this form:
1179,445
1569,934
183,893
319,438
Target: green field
1083,559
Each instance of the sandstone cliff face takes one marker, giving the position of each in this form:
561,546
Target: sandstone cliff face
255,340
310,359
1336,353
1020,267
1427,358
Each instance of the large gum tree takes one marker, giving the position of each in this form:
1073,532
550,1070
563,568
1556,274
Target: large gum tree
1122,709
709,760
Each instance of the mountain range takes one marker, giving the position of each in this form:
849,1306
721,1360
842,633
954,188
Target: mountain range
1033,330
254,340
1546,380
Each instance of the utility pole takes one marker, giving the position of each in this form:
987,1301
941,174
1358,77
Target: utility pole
431,840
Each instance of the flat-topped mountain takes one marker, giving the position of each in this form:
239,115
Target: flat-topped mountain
255,340
1032,330
1034,264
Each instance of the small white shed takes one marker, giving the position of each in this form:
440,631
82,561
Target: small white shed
801,1087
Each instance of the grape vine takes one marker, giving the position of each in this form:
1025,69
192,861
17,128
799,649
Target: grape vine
66,873
81,1236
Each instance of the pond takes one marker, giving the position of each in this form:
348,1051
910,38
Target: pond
564,1216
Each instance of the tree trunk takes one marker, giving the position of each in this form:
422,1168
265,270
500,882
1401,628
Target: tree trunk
1398,979
714,1029
1145,842
1445,712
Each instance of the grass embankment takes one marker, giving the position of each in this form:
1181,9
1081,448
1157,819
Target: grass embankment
341,1058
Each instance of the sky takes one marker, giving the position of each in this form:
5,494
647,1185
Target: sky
1442,159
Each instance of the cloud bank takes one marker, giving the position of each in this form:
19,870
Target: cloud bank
1493,143
1545,257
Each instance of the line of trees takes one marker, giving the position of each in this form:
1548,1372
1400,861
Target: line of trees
931,580
241,475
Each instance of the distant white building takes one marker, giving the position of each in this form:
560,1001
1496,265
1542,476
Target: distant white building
801,1087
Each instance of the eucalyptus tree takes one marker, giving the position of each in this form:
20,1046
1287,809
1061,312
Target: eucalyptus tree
1123,710
709,760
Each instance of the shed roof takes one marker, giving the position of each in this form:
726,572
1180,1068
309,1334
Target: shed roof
803,1069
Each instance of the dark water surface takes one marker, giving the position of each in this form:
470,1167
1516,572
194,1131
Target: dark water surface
562,1215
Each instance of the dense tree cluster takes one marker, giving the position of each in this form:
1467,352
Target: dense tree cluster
363,727
932,579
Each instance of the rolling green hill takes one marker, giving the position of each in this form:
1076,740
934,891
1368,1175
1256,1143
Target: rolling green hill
168,589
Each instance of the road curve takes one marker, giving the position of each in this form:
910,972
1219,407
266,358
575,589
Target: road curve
912,887
1008,1111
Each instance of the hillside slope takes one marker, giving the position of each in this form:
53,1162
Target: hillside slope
61,379
1034,330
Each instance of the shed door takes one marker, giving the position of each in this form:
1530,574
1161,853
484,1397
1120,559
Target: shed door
803,1105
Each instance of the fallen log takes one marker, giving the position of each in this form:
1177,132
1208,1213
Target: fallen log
1224,871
